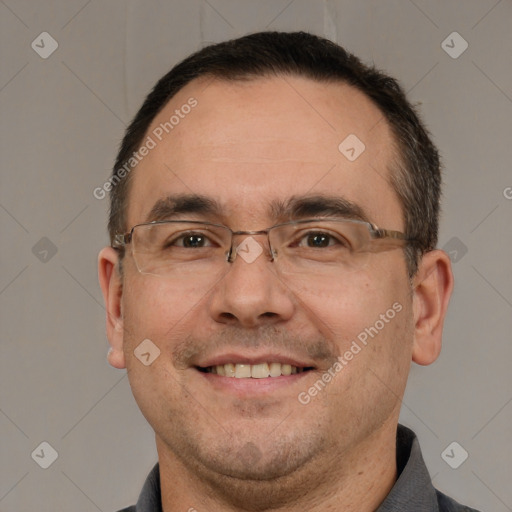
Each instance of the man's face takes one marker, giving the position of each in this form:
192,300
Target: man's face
245,146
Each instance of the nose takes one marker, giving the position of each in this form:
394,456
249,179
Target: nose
251,293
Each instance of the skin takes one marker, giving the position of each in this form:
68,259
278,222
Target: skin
228,449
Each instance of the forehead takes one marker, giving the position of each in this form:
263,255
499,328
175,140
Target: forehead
249,143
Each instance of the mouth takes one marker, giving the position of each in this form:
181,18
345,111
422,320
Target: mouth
251,374
272,370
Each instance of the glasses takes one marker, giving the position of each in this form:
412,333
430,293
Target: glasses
201,251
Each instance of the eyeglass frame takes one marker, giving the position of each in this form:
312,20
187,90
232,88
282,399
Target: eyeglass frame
121,240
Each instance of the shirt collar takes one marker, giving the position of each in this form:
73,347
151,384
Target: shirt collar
413,489
150,499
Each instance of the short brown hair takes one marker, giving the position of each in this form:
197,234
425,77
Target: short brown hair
416,177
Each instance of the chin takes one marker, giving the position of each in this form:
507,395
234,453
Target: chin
259,459
254,480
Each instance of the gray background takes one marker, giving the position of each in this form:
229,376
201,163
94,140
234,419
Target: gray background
62,120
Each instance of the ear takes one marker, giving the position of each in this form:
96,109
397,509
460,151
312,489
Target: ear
112,288
432,288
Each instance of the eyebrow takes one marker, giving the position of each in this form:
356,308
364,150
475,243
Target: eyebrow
294,208
317,205
179,204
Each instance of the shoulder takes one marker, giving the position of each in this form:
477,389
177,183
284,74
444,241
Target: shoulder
128,509
447,504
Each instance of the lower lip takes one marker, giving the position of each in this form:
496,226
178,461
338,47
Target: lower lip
250,386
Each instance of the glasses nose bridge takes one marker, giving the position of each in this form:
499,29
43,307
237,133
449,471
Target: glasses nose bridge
233,253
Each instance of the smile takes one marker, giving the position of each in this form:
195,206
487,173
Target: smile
254,371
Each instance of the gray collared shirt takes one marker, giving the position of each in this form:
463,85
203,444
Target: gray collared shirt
413,491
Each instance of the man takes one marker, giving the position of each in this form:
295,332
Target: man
273,272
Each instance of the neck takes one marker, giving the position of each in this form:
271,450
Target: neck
358,479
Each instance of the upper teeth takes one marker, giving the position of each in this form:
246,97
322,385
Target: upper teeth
256,371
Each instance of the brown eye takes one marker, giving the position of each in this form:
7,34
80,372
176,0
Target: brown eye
194,241
189,241
320,240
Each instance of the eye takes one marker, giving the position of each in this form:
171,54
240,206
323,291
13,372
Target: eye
189,240
320,240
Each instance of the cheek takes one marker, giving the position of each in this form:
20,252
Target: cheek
156,311
370,324
159,310
355,305
374,358
385,336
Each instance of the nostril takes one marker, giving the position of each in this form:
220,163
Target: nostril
228,316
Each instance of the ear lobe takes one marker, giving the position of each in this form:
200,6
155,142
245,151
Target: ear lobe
112,288
432,288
